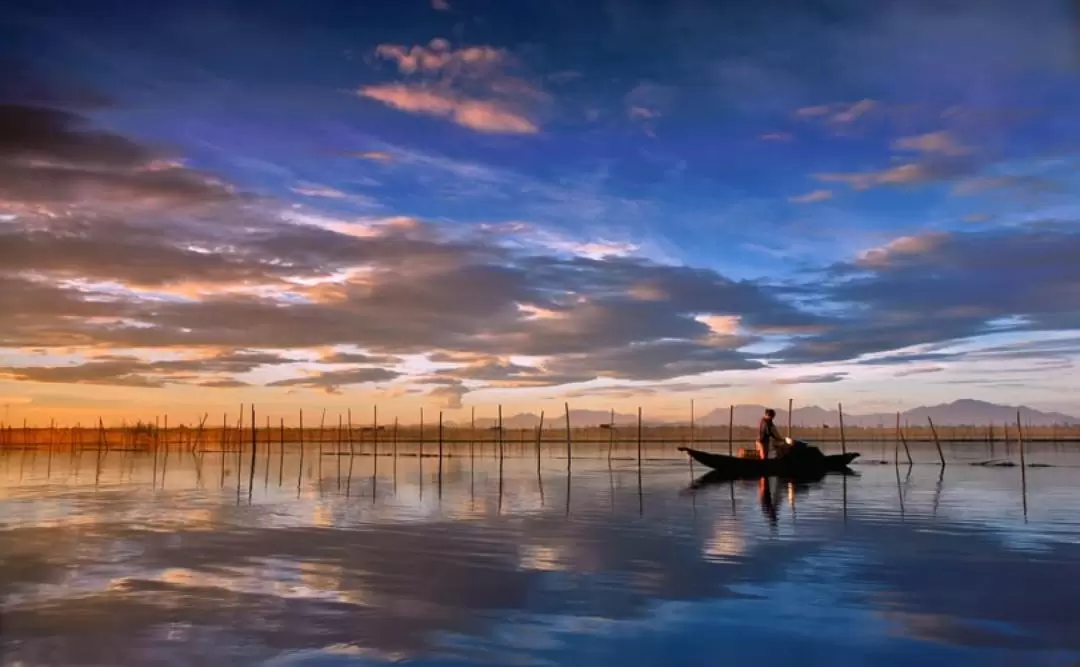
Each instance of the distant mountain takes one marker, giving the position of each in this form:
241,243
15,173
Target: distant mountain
578,419
958,413
964,412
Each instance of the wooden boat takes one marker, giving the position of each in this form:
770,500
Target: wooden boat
801,462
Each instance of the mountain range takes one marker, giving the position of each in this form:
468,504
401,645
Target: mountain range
964,412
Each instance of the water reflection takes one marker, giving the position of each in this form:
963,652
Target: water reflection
457,564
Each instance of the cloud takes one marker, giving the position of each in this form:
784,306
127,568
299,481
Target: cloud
938,287
812,197
481,115
51,158
1028,183
335,357
278,280
838,114
440,5
332,381
934,142
911,173
316,190
376,156
824,378
129,371
777,136
918,371
224,384
449,395
471,86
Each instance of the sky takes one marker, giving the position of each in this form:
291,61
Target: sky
458,204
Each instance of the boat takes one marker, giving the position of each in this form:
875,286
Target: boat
801,480
800,460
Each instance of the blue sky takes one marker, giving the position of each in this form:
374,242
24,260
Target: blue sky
546,197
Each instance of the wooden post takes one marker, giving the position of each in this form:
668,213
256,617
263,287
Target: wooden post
569,439
789,404
1023,465
440,438
281,453
322,434
472,434
352,451
896,443
843,440
539,439
691,423
937,442
903,439
1020,439
375,435
224,434
639,436
254,448
421,454
500,433
730,431
337,451
300,474
611,437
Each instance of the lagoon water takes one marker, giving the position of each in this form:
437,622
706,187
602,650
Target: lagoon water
458,565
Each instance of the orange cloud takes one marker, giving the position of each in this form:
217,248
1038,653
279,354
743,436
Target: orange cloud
378,156
480,115
903,174
932,142
811,197
900,247
469,86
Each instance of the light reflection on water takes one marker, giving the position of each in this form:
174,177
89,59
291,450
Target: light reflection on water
459,566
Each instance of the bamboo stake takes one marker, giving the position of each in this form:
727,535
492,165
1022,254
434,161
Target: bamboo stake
1023,465
352,451
322,433
472,434
254,449
281,453
224,431
52,442
691,424
539,439
440,438
937,442
902,439
611,437
300,472
639,436
239,450
500,433
569,438
266,467
165,458
394,443
843,440
375,440
789,411
1020,438
730,431
337,451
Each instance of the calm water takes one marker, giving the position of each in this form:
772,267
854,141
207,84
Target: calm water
113,566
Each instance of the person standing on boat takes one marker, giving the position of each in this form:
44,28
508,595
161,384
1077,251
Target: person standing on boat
767,433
